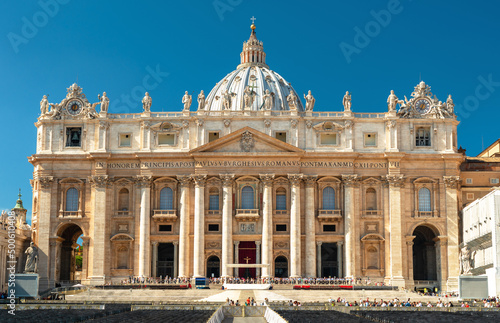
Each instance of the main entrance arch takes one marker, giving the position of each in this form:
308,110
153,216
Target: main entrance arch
213,266
70,253
281,267
424,254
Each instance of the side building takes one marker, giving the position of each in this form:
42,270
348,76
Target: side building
253,176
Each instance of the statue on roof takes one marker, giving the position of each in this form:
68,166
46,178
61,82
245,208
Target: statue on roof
104,101
187,100
267,99
226,100
44,106
310,101
392,101
248,98
346,101
292,101
450,105
201,100
146,102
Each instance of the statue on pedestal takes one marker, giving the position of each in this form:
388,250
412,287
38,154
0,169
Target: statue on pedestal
187,99
146,102
268,101
310,100
392,101
226,100
292,101
248,98
104,102
44,106
347,101
31,259
450,105
201,100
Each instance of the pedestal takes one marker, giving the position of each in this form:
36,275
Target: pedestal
27,285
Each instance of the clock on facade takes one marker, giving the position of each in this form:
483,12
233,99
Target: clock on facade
74,107
422,106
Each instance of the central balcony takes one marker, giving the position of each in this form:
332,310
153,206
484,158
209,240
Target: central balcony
165,215
329,215
247,214
70,214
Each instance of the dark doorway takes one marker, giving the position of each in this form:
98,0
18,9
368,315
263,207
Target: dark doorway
424,254
68,255
329,266
165,264
280,267
247,255
213,266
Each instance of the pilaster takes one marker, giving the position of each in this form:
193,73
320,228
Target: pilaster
396,182
227,222
267,223
98,223
310,250
350,181
144,184
184,182
199,225
295,243
452,183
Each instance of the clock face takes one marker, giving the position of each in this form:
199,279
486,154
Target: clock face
74,107
422,106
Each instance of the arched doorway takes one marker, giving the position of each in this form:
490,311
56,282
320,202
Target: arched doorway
281,267
424,254
71,254
213,266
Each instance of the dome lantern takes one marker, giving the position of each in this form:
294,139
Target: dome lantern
253,51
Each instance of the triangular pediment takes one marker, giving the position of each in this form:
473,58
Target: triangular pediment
247,140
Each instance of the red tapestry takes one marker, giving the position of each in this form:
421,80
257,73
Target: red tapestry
247,252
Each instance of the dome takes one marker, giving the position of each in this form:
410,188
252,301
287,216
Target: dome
253,86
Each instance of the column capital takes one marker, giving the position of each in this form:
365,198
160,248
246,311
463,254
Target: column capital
99,181
319,243
310,180
258,242
227,179
340,243
175,243
267,179
236,243
155,243
184,180
46,181
199,180
451,181
295,179
395,180
143,181
350,179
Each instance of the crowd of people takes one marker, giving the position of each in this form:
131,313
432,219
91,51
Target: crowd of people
487,303
296,281
248,302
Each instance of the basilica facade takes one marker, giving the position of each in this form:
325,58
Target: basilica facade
249,181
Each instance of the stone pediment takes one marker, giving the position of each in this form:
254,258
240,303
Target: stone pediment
247,140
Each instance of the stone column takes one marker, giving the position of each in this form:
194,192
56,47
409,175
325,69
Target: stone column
318,259
176,258
452,183
99,236
339,258
154,265
295,243
236,257
350,181
85,257
267,223
144,183
409,256
396,182
184,225
44,230
257,260
227,223
310,251
199,225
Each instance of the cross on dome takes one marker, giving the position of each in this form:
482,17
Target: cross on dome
253,20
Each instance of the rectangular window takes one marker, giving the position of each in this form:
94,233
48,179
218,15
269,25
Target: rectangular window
468,181
165,228
328,138
281,202
166,139
370,140
213,136
280,227
73,137
493,180
329,228
470,196
213,228
213,204
280,135
423,137
125,140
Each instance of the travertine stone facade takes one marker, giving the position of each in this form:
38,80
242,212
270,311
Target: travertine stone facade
250,177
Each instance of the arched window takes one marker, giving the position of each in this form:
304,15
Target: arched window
213,201
166,199
72,199
247,198
371,199
123,200
328,198
424,200
281,199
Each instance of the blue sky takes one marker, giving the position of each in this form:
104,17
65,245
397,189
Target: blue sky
366,47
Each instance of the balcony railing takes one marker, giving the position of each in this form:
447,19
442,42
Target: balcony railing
247,214
426,214
123,214
280,212
372,213
70,214
165,215
329,215
213,212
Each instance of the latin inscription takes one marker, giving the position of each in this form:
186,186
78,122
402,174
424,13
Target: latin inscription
250,163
